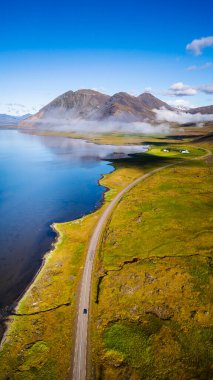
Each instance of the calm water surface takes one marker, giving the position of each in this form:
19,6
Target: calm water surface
42,180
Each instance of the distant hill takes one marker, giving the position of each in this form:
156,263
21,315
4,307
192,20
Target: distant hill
204,138
203,110
93,105
9,120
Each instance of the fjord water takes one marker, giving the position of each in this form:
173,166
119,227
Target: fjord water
41,183
42,180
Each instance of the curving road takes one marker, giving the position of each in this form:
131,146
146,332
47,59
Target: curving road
80,348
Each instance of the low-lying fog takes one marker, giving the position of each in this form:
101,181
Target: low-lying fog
181,117
162,123
110,125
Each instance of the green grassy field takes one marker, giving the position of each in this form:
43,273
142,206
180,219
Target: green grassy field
152,292
39,340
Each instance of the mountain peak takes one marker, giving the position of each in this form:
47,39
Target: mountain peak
6,120
87,91
150,101
146,94
122,94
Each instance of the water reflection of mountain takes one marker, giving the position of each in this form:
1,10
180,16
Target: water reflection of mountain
81,150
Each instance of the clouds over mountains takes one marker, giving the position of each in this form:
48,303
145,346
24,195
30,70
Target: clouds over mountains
88,111
181,117
182,89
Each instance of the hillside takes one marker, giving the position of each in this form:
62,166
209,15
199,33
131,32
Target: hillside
9,120
203,110
82,103
93,105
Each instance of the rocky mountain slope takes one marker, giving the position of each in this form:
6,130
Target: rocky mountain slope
203,110
93,105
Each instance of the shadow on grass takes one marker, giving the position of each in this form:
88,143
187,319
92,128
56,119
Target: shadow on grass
144,160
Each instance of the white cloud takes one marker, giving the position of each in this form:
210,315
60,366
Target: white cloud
207,89
202,67
181,89
181,117
197,45
180,104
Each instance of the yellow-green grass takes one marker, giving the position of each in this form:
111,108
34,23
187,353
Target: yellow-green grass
152,288
39,340
38,343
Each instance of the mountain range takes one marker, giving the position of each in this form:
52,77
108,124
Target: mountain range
207,110
92,105
9,120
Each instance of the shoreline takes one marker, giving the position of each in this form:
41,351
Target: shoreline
47,254
54,295
7,311
12,309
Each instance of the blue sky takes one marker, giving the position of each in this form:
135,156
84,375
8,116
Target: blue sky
47,48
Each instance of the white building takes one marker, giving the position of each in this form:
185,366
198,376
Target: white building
184,151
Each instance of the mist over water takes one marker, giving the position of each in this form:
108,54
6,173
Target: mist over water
43,180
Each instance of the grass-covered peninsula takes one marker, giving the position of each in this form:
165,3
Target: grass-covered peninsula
150,297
